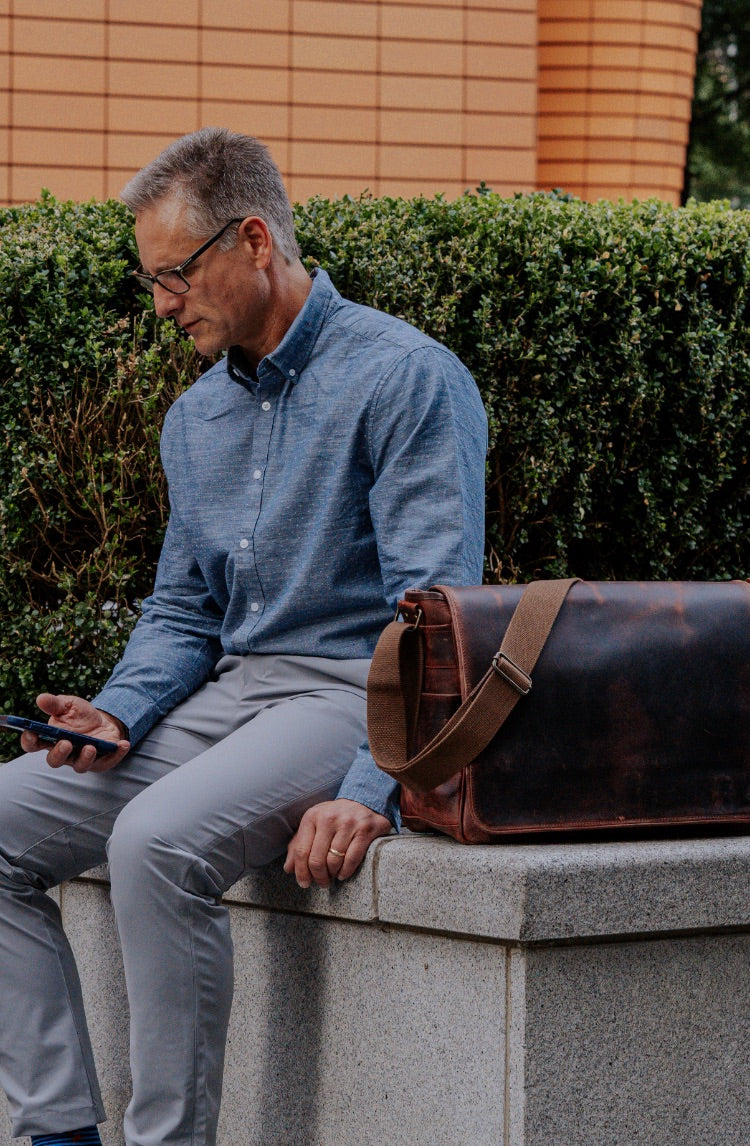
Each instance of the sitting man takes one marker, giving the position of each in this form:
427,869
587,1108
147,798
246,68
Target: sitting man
332,459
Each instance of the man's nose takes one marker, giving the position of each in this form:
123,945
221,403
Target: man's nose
166,303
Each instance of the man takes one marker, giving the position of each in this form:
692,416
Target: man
334,458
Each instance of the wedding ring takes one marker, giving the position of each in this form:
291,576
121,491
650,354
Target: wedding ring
339,854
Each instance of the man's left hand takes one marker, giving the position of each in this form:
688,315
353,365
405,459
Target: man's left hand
332,840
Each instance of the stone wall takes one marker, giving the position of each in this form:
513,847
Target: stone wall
545,995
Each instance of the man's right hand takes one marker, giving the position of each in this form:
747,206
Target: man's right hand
79,716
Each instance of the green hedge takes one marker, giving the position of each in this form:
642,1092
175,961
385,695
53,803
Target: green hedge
609,343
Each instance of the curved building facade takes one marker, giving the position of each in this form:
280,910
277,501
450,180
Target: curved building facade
397,97
615,93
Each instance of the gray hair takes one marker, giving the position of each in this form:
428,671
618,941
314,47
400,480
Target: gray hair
219,175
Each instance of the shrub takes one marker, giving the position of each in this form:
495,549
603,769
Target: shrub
86,377
609,343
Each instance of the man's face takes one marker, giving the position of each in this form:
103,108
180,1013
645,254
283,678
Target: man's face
228,297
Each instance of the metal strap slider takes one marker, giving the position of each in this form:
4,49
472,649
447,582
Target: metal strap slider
512,673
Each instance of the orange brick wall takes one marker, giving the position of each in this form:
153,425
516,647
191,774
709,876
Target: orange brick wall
615,93
395,96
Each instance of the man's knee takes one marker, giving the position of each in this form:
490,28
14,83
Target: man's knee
148,858
32,852
133,845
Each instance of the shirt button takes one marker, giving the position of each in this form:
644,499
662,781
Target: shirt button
254,607
292,373
266,406
258,474
244,543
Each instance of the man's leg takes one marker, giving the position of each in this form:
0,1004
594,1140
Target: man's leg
179,845
54,824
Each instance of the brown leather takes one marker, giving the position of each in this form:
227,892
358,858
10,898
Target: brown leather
639,715
398,658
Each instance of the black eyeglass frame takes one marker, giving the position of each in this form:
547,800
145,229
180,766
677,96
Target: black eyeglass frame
147,280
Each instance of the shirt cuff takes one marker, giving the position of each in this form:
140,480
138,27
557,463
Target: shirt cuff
365,783
136,713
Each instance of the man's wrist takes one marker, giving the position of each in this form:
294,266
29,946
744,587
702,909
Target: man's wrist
122,728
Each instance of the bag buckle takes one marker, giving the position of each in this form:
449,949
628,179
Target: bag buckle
511,673
415,623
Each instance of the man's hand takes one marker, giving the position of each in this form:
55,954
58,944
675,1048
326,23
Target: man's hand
79,716
331,841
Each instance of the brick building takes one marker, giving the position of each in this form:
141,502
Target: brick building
396,96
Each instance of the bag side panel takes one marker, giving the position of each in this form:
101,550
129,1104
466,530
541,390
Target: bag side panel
439,810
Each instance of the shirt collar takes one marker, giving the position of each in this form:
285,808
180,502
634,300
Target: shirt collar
293,352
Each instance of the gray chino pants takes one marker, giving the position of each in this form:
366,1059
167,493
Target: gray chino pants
218,787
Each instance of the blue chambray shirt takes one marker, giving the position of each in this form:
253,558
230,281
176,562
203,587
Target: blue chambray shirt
303,504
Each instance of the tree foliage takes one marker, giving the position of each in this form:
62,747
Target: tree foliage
718,165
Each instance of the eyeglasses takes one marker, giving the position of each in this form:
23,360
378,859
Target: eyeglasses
174,279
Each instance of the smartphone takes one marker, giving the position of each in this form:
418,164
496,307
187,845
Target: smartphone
51,735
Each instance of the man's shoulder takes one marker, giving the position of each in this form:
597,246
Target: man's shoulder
384,346
369,325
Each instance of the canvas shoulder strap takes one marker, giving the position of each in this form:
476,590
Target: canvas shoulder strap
397,665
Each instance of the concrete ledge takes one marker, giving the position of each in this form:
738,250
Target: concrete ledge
540,995
548,892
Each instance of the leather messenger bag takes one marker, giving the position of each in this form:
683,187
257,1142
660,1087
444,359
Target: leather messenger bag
566,706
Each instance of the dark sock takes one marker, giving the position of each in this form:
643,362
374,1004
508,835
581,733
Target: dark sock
86,1136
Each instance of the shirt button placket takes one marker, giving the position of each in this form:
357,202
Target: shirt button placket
258,462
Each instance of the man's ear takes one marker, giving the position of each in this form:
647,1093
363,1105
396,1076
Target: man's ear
253,234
